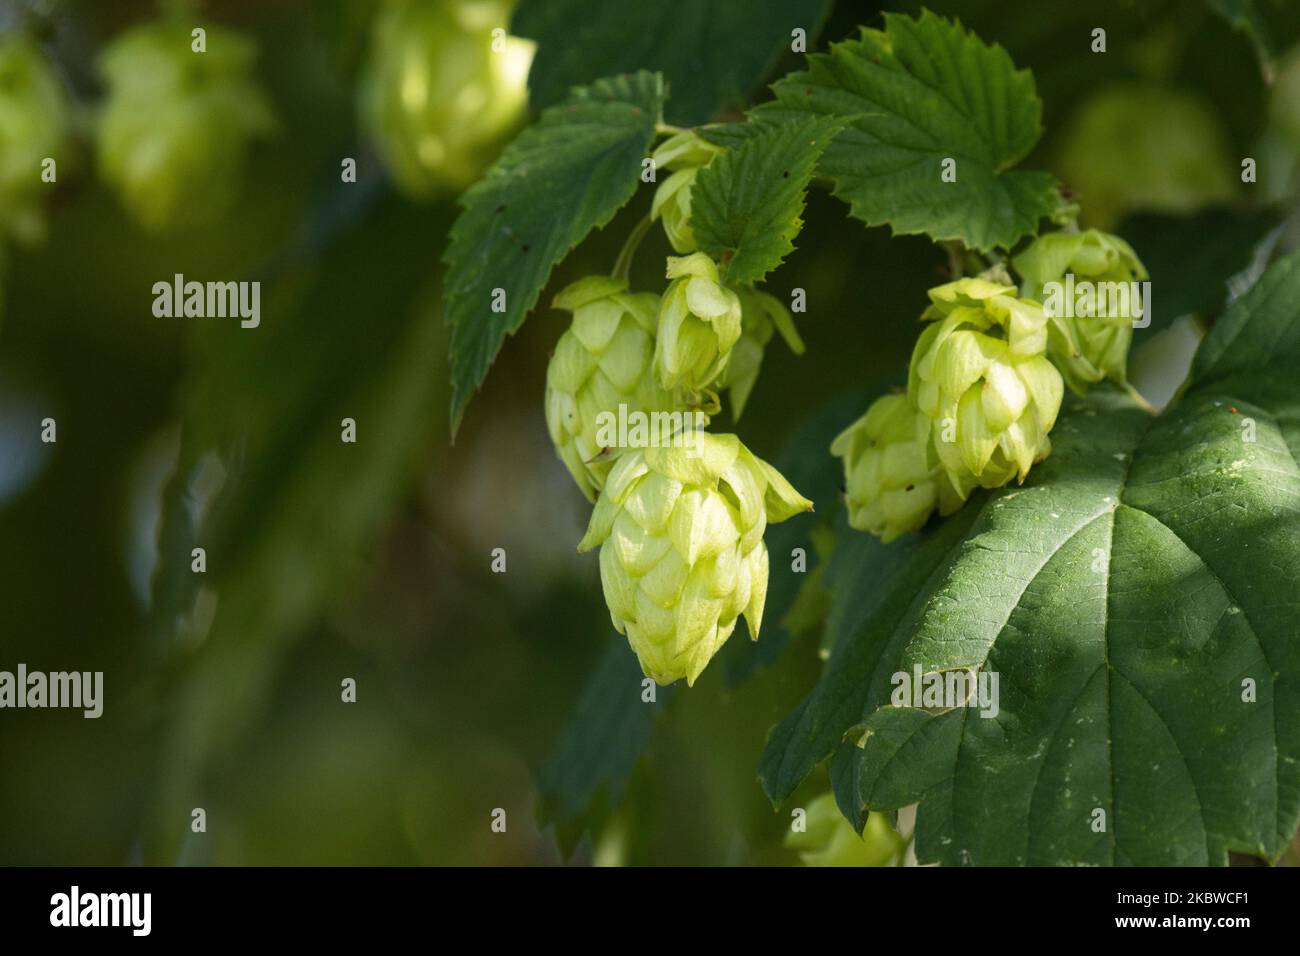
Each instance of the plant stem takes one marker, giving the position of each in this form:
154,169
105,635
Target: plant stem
623,264
667,129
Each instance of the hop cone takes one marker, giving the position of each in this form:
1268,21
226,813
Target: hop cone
761,315
176,124
981,375
33,127
682,556
699,323
892,477
686,153
602,362
830,840
1085,348
435,96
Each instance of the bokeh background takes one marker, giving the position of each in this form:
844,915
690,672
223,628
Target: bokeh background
373,560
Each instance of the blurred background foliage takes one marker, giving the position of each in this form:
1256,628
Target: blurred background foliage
372,560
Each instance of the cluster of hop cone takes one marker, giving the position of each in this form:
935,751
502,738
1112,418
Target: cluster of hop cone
680,523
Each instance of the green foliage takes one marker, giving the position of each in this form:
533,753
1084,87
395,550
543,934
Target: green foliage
593,760
1124,594
918,93
559,180
712,53
746,205
1192,258
296,503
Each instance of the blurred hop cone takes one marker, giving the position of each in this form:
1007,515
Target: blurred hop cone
1086,349
34,124
602,369
176,124
829,839
442,89
699,323
1136,146
981,375
760,315
892,480
682,556
685,154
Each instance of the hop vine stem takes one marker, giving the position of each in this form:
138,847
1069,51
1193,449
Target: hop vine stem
623,264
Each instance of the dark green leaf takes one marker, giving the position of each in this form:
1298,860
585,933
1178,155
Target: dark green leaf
1127,596
919,93
561,178
606,735
713,53
1191,258
746,206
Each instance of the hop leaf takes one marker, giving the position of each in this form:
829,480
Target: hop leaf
699,323
1086,348
980,373
176,124
602,365
436,97
682,557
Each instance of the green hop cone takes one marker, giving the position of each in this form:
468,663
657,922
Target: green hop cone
34,120
176,124
603,365
699,323
892,478
439,92
829,840
685,154
981,375
761,315
680,531
1086,348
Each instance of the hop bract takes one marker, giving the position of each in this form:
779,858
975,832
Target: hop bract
33,128
680,531
981,375
699,323
602,371
829,840
760,315
892,477
440,92
176,124
1089,335
686,153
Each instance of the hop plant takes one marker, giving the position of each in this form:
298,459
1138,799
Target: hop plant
176,125
34,124
760,315
981,375
682,557
439,92
686,154
830,840
1086,349
699,323
892,477
603,361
